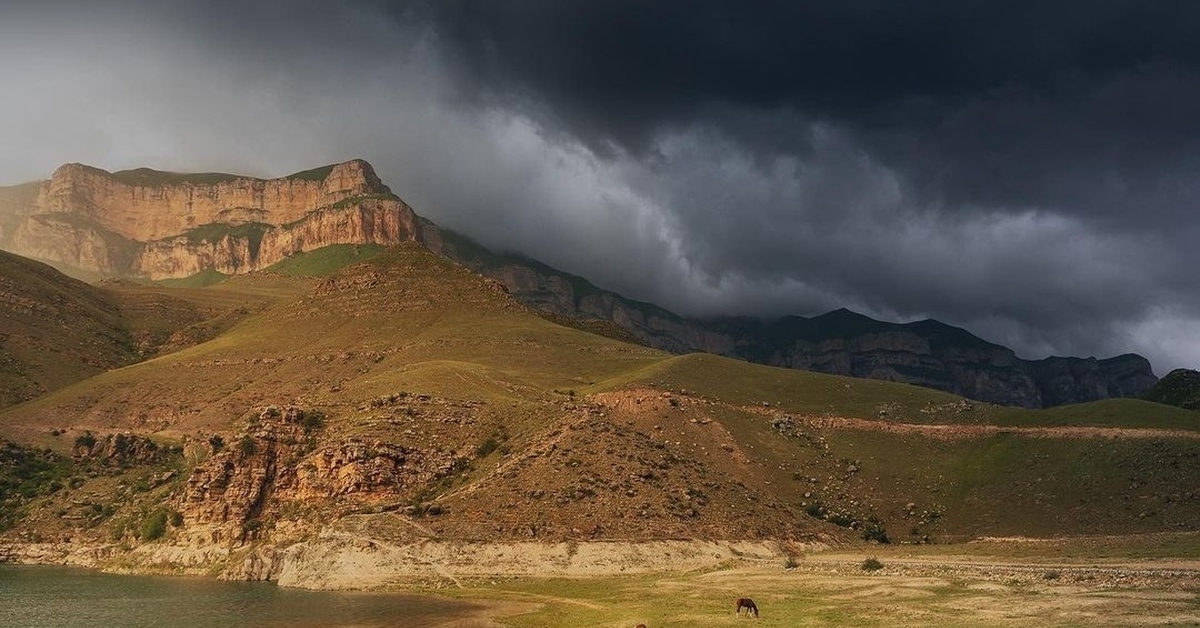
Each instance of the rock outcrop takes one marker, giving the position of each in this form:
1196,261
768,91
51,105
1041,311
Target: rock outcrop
278,463
157,225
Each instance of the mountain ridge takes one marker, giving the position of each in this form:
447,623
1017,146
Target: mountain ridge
87,218
839,342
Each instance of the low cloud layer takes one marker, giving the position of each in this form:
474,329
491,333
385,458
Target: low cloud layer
1032,175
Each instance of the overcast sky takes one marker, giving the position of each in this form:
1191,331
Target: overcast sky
1027,170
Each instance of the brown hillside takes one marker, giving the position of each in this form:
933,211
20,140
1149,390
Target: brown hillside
54,330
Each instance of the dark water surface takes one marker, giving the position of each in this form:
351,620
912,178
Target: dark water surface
60,597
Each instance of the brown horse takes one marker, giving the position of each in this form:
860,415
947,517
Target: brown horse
748,604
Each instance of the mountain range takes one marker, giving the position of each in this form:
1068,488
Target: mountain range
362,408
152,225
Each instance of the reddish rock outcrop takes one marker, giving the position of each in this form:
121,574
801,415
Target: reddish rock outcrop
158,225
279,463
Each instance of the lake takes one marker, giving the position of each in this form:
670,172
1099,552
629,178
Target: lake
38,596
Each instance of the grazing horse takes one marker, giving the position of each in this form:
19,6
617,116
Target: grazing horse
748,604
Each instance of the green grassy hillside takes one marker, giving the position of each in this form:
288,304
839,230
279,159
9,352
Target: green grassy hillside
529,429
326,260
406,320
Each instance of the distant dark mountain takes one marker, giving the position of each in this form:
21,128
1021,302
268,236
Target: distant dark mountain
1180,387
926,353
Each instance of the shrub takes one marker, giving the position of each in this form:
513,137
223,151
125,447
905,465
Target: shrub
874,531
246,445
313,420
86,440
153,526
872,564
461,464
487,447
424,508
840,519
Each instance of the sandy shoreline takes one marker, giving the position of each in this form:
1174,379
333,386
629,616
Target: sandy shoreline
678,583
338,561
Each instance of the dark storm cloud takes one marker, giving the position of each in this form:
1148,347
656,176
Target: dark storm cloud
1028,170
1081,106
624,69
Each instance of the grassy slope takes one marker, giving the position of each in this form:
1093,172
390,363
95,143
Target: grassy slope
319,263
150,177
206,277
810,393
54,330
405,320
326,260
730,380
997,482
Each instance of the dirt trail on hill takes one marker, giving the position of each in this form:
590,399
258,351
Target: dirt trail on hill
960,431
650,398
953,432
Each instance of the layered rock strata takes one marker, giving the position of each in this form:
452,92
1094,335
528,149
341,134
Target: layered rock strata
158,225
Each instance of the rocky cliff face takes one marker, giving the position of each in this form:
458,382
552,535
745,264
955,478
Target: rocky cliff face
157,225
933,354
147,205
926,353
1072,380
